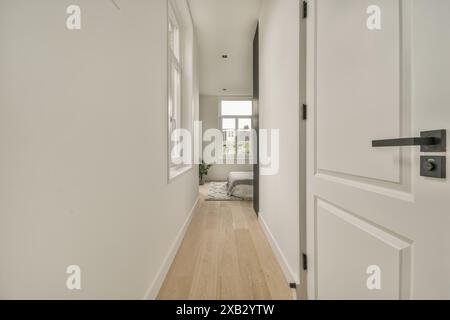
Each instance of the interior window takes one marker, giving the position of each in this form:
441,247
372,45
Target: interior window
174,75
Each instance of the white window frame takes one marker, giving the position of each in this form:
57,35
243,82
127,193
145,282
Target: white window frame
174,113
247,159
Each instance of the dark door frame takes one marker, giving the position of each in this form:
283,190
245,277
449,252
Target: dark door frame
256,169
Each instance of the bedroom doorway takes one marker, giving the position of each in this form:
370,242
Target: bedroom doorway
230,177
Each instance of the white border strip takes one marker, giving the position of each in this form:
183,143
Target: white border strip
155,287
290,276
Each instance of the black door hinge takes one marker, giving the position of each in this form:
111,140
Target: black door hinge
304,112
305,9
305,262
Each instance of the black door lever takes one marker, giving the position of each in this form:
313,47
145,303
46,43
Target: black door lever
404,142
429,141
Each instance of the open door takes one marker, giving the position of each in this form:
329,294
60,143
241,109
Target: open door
378,212
256,119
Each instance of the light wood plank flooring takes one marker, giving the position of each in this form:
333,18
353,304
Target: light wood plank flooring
225,256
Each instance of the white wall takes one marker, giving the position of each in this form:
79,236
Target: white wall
83,150
209,115
279,109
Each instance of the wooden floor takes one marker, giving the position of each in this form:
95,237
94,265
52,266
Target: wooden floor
225,256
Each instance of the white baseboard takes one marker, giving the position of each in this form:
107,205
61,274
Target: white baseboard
291,276
155,287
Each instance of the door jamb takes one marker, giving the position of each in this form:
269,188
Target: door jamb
302,292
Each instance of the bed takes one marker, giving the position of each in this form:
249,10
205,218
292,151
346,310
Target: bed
240,184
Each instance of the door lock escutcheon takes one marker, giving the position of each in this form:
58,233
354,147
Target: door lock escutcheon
433,167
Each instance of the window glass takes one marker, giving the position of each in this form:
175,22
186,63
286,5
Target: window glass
245,124
237,108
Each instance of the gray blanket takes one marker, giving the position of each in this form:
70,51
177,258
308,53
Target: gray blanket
239,178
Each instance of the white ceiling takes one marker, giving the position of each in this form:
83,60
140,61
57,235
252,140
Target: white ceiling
225,27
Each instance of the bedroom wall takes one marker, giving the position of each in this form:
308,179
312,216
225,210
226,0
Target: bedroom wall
209,115
83,144
279,109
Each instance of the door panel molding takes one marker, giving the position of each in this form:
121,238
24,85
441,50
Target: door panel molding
370,186
390,251
401,181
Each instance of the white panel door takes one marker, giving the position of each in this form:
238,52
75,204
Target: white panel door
377,69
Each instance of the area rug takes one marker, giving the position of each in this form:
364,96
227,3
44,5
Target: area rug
218,192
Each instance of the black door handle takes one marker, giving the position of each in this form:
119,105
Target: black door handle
429,141
404,142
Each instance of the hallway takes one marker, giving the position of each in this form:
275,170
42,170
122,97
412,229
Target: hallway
225,256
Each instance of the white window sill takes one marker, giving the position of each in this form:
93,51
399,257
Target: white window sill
178,171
